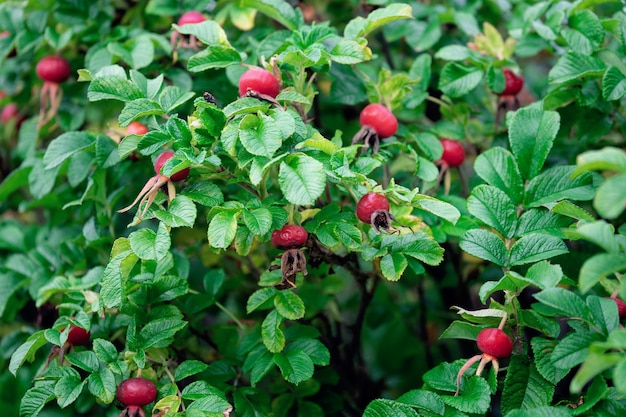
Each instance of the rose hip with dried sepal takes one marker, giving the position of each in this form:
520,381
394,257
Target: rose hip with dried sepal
494,344
52,70
150,190
178,40
377,123
290,239
260,83
373,208
134,394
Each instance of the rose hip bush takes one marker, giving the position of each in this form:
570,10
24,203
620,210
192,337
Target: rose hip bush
204,208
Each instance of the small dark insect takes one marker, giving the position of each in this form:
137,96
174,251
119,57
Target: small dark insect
209,98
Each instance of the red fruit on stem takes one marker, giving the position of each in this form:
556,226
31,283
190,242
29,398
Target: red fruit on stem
495,342
53,69
621,307
190,18
136,128
290,236
380,119
369,204
162,159
78,336
453,153
136,392
514,83
260,81
9,112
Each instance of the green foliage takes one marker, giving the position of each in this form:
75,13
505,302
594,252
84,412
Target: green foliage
184,287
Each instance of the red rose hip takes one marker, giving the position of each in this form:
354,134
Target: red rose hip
369,204
621,307
53,69
136,128
9,112
162,159
290,236
136,392
513,83
495,342
78,336
453,152
190,18
260,81
380,119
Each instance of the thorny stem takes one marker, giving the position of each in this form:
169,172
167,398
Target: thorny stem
230,314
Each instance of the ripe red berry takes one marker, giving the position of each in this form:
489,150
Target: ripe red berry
379,118
621,307
260,81
162,159
369,204
9,112
136,392
453,153
136,128
190,18
495,342
513,84
290,236
53,69
78,336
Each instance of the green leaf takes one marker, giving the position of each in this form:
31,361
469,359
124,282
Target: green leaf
536,247
301,178
360,27
564,301
542,351
474,398
555,184
67,390
485,245
148,245
181,212
546,411
606,159
569,209
208,32
595,364
316,350
295,365
137,108
417,245
35,399
613,84
205,193
531,134
585,32
223,228
573,349
9,283
273,336
289,305
214,56
26,351
598,232
610,199
457,80
392,265
65,146
261,298
105,351
259,220
598,267
86,360
524,387
102,385
260,135
106,152
279,10
437,207
543,221
388,408
160,332
497,167
188,368
422,399
573,66
113,87
494,208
